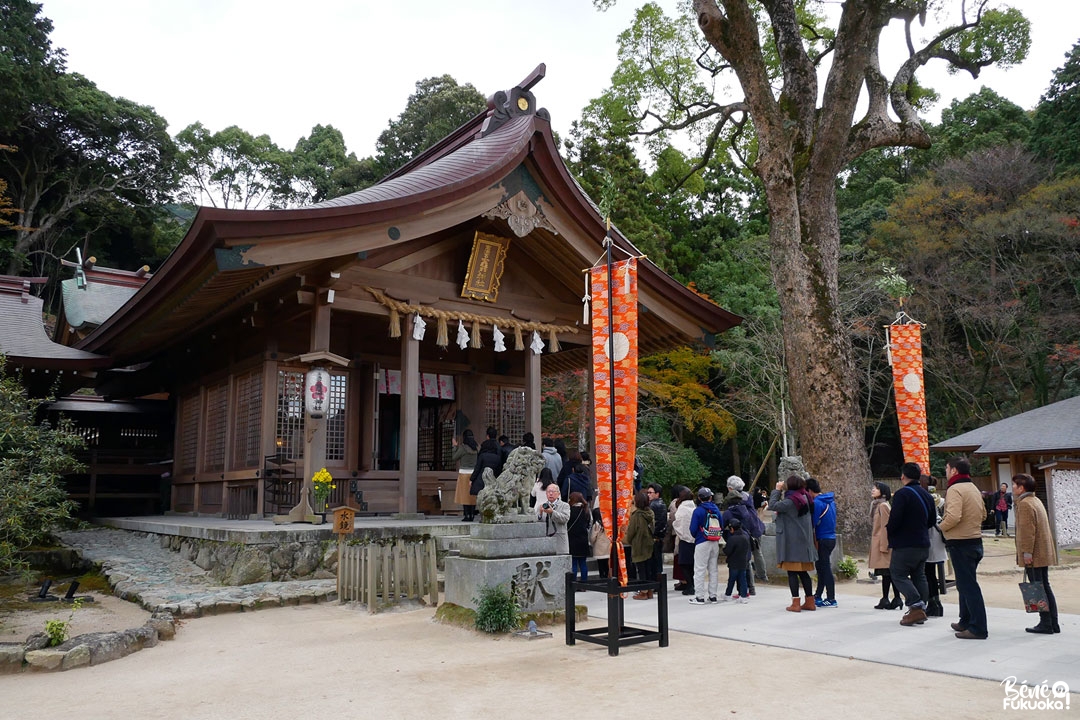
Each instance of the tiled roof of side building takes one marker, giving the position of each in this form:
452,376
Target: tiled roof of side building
1051,427
93,304
22,334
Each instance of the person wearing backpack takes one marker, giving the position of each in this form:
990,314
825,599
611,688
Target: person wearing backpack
824,522
795,538
707,529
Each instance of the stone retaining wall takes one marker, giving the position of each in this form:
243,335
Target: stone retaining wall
235,564
89,649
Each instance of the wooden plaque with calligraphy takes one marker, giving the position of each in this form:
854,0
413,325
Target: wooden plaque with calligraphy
485,267
343,520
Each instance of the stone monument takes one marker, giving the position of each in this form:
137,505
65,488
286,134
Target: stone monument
509,545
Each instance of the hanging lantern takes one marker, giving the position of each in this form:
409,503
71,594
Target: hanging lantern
316,392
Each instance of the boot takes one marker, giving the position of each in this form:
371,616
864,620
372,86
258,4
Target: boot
1045,626
934,609
641,595
808,603
795,606
897,603
883,604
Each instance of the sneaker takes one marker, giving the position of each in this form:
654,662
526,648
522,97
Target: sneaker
742,601
753,591
818,602
829,603
729,598
697,601
713,599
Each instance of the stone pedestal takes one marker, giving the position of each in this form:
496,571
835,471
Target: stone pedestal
768,550
518,554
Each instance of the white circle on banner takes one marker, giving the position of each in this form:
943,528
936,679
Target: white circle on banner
912,383
622,347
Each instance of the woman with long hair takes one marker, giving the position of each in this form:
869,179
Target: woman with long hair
795,550
684,551
465,457
880,554
577,532
639,536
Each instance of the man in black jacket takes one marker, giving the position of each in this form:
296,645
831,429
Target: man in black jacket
659,511
913,514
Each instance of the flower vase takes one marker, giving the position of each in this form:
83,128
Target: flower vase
320,506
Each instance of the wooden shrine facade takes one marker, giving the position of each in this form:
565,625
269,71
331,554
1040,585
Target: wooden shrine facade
486,229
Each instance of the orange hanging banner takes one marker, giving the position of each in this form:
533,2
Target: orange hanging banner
616,437
905,356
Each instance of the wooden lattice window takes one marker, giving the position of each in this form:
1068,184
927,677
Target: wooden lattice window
446,437
188,449
506,411
335,418
247,421
289,425
217,397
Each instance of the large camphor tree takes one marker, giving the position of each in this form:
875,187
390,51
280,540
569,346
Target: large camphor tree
814,88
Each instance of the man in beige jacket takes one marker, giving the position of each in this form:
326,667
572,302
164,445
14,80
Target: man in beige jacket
962,527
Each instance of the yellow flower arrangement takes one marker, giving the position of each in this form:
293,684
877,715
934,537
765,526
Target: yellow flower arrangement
324,483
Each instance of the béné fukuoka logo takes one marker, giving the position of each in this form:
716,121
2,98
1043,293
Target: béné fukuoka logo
1041,696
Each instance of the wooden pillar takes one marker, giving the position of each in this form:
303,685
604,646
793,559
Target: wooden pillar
471,393
368,387
269,419
410,415
532,394
315,435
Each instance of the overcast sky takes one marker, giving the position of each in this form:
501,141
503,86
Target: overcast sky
281,67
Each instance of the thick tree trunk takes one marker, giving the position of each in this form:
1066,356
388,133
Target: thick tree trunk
804,237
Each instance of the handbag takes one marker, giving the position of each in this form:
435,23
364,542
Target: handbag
1034,597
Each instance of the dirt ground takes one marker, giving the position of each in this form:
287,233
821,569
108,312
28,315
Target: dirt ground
337,659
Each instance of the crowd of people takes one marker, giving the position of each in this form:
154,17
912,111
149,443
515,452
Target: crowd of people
913,530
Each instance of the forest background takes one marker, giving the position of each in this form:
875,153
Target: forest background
979,234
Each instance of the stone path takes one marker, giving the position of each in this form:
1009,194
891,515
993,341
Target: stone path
139,569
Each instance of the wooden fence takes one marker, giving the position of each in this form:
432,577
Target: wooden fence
382,575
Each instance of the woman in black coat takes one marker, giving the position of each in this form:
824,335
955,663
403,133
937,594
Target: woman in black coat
577,532
489,457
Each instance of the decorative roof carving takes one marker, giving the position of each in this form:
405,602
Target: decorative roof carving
521,214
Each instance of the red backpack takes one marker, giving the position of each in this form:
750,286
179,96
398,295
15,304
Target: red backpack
712,528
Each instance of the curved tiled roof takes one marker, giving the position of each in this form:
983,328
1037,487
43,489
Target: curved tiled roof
1053,427
93,304
23,338
449,171
473,159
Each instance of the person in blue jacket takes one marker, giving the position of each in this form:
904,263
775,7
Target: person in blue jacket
824,522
